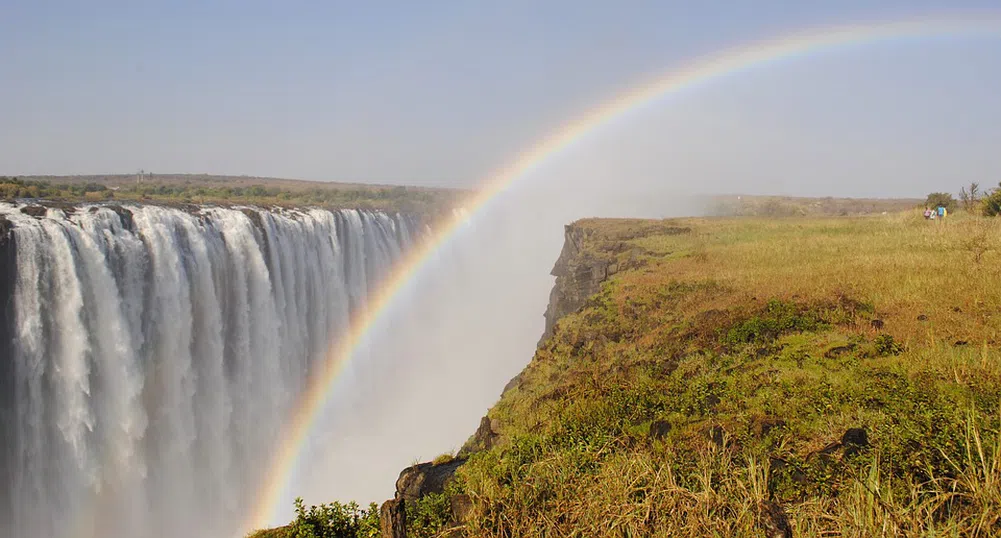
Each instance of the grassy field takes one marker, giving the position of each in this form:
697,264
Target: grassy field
752,377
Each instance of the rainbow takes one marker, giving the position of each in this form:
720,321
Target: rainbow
699,72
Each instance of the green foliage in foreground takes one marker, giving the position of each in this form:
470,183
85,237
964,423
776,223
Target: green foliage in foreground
333,520
428,516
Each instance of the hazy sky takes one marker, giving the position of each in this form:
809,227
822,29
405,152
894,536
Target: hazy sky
442,93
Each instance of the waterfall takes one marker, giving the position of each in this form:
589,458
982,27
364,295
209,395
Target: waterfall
150,355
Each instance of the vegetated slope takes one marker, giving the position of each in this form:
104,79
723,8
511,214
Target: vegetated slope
822,376
742,377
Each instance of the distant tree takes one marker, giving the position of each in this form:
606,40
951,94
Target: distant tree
942,199
970,196
992,203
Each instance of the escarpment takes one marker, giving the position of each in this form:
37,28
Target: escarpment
587,260
579,272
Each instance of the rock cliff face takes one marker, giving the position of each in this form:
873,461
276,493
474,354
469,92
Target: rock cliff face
414,483
579,273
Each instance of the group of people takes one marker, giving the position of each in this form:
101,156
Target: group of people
938,213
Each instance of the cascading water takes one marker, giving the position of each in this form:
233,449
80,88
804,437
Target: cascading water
150,355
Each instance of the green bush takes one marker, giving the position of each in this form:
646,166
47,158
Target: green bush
992,203
886,345
943,199
428,516
334,520
777,319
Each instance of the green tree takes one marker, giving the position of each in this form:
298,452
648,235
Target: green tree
943,199
992,203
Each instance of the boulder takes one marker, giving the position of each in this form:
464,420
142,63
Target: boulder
773,520
423,479
393,519
34,210
659,429
854,440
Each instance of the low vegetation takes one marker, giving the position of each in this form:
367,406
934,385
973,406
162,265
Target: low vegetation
333,520
397,198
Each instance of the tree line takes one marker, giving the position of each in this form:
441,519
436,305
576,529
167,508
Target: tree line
398,198
972,198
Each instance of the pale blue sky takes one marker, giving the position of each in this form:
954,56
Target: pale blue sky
445,92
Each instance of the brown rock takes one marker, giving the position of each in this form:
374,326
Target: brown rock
659,429
773,520
760,427
716,435
425,478
393,519
838,351
34,210
483,439
854,440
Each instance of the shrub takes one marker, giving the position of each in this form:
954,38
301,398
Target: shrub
992,203
442,459
777,319
886,345
943,199
428,516
334,520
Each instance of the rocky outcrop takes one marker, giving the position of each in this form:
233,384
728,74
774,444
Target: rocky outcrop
393,519
485,438
579,273
425,478
415,482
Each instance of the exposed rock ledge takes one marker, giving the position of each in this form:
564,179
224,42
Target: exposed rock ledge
579,273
